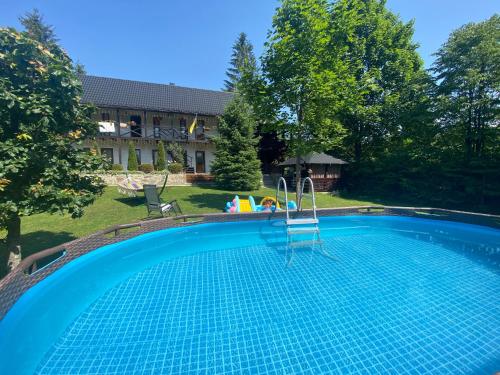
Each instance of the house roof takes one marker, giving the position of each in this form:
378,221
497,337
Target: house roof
120,93
315,158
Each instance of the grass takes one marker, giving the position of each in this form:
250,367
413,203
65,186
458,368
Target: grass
44,230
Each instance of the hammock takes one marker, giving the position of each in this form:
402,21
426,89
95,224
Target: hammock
128,186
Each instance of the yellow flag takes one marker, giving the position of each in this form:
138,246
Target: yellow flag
193,125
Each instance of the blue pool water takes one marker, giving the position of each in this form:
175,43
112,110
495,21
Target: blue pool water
386,295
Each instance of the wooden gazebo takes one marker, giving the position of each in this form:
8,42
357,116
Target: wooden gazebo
323,169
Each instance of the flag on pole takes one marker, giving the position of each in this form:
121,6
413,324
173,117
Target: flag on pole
193,125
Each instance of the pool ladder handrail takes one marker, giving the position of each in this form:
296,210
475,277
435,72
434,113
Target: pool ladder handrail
297,226
282,181
313,196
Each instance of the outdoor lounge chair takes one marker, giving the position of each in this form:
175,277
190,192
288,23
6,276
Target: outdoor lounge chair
153,202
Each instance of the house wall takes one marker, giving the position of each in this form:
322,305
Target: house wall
120,151
118,140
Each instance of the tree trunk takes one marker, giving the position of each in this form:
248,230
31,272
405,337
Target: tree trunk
297,181
14,241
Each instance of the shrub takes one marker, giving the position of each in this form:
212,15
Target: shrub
132,157
175,168
160,164
117,167
146,168
176,151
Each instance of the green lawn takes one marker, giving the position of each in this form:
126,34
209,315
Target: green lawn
43,231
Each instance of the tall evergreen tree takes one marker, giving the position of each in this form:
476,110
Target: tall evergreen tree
132,164
36,28
161,163
236,165
242,61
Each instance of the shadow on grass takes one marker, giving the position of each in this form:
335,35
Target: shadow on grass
40,240
385,201
131,201
33,243
209,200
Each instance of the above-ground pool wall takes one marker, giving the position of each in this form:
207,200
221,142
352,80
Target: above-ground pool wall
20,280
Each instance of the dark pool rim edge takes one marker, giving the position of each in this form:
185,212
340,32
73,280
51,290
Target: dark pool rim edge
26,274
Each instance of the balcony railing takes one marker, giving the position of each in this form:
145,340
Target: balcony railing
160,133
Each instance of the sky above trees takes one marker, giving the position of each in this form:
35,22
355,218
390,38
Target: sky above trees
189,42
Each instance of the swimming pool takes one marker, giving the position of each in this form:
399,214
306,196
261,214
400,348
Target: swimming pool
384,295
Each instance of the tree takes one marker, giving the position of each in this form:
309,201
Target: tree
236,165
80,69
132,164
467,77
383,64
242,61
36,28
303,85
41,120
467,74
161,162
176,151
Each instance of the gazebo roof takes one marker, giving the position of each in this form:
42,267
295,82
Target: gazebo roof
314,158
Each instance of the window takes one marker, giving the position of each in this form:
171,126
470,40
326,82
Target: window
107,153
155,157
138,154
156,132
156,120
105,116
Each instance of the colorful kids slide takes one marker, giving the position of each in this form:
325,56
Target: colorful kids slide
248,205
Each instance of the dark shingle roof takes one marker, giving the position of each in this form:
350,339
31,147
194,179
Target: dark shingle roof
120,93
315,158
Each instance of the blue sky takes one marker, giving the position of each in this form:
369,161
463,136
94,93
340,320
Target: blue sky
189,42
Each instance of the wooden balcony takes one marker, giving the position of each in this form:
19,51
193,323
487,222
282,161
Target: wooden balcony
154,133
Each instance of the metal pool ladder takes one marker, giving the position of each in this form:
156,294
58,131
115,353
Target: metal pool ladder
300,226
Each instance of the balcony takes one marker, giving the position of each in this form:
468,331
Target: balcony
149,132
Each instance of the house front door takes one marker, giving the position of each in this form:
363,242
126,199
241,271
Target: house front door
200,161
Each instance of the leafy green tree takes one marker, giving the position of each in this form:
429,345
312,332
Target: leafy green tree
176,151
41,120
161,162
242,61
132,164
467,73
384,66
37,29
236,165
303,84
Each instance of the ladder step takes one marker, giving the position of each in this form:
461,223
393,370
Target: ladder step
302,221
305,243
303,230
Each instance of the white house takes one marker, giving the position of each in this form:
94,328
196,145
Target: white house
146,113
